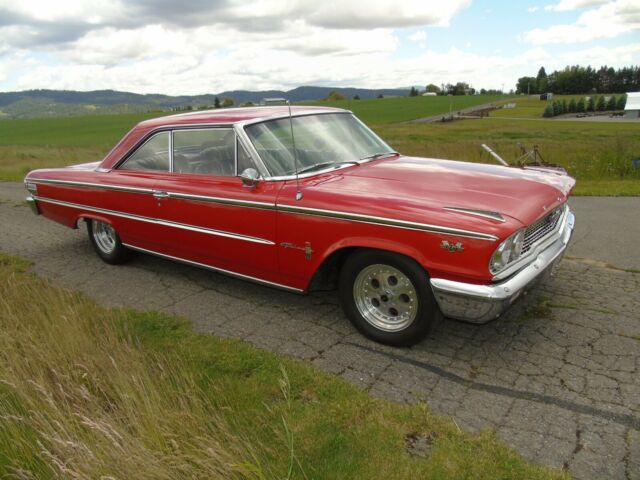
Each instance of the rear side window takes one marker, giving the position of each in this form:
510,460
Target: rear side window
208,152
152,155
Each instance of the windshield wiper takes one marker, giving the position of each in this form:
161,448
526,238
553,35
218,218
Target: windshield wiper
375,156
326,164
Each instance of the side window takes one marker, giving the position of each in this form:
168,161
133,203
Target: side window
152,155
208,151
244,160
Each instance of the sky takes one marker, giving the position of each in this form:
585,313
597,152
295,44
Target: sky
208,46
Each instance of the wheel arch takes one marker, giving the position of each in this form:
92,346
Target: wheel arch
326,273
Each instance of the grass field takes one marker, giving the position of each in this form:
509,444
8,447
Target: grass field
89,392
598,154
401,109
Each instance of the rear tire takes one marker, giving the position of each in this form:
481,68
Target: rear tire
106,242
387,297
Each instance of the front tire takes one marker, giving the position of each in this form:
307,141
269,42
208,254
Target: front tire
106,242
387,297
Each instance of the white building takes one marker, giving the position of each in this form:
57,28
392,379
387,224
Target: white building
632,107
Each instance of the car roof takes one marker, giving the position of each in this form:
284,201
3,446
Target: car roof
234,115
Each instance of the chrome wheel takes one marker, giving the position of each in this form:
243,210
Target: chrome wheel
105,236
385,297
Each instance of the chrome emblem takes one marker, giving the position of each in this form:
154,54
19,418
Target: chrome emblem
452,247
306,249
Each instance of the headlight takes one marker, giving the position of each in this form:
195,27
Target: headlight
507,252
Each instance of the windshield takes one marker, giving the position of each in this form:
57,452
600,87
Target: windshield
321,141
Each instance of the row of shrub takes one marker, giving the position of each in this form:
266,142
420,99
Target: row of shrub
585,104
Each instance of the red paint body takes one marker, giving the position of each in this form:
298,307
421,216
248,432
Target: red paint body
400,188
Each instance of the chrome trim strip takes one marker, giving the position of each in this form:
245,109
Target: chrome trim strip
355,217
166,223
223,201
216,269
389,222
103,186
478,213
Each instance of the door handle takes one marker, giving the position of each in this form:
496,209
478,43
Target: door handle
158,194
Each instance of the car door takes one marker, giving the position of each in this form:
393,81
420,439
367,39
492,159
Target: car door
127,194
208,215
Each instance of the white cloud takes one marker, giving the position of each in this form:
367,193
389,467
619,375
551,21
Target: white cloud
567,5
418,36
608,21
533,9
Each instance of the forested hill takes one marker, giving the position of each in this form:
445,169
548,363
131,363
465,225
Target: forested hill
42,103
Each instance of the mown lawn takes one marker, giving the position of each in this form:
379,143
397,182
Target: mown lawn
90,392
400,109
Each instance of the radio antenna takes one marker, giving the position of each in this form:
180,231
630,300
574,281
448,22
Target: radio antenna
295,155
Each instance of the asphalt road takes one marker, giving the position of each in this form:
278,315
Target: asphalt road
560,384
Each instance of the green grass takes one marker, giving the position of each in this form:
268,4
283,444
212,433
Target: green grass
400,109
598,155
89,392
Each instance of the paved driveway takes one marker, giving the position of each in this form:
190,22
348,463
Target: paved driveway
558,377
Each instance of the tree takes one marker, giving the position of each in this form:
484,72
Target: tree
356,97
413,92
591,105
541,81
565,107
433,88
380,96
556,106
216,102
228,102
334,96
622,101
580,107
611,104
600,105
573,106
548,112
527,85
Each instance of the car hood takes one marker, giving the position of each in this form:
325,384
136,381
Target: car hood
432,184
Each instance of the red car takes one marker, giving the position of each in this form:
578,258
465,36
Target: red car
285,198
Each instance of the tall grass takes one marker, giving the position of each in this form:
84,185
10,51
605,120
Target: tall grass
77,400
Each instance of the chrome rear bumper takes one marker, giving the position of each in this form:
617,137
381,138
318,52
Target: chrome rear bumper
481,303
33,205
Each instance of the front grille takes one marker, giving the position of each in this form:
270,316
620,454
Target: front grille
541,228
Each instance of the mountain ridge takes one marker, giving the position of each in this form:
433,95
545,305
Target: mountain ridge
46,102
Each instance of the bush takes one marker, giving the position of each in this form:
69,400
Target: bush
591,105
228,102
622,101
565,107
580,106
335,96
611,104
548,112
556,106
573,106
600,104
356,97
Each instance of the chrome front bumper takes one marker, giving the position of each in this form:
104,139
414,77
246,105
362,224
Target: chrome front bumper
482,303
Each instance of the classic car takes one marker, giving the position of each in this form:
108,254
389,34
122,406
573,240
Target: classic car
288,197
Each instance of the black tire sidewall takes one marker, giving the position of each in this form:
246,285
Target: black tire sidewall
119,254
428,313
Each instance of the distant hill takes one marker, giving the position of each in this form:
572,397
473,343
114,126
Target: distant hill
45,103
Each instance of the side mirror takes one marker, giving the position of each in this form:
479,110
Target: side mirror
250,177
